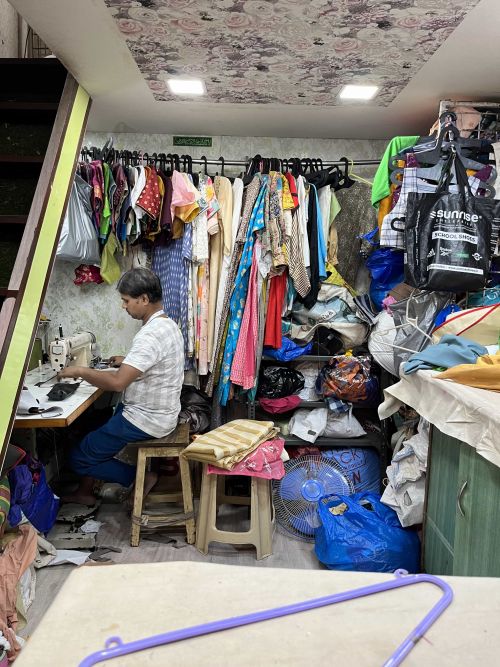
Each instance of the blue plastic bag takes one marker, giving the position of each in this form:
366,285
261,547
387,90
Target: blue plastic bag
360,464
366,537
387,270
34,499
288,350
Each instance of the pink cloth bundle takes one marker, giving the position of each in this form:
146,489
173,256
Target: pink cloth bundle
265,462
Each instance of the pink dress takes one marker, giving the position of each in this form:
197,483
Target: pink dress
243,368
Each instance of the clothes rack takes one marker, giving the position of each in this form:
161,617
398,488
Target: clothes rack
135,157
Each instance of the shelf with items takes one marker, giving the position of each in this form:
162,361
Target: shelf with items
374,439
302,357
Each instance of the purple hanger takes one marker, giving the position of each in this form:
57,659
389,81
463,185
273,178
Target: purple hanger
114,647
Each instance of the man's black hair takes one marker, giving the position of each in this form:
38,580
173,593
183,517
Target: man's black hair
140,281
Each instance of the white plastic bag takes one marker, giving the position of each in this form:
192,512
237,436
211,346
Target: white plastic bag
343,426
78,241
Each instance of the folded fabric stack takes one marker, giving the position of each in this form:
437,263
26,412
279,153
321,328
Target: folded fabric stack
265,461
228,444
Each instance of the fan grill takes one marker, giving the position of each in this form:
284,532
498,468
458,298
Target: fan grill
295,496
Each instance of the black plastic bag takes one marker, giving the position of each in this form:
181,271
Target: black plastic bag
449,236
279,381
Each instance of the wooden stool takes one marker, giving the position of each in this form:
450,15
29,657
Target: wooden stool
169,446
261,522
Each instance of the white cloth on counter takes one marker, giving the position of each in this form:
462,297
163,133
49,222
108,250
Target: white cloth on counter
469,414
29,405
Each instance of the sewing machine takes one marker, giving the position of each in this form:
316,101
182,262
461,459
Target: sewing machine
76,350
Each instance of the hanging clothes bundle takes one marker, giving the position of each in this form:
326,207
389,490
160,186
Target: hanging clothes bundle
233,255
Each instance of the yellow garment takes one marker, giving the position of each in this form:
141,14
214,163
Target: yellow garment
188,212
224,194
110,269
220,245
230,443
287,197
384,207
333,237
484,374
336,279
177,228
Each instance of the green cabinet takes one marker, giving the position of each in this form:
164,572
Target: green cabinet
461,525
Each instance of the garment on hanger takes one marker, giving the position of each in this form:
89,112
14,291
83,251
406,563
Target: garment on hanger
381,182
238,296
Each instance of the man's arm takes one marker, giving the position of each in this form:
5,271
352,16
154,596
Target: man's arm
107,380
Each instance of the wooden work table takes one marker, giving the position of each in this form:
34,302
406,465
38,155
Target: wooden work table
72,407
139,600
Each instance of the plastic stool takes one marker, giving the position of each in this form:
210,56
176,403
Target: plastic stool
169,446
261,522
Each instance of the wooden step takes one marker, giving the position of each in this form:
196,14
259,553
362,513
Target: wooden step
31,79
21,159
5,293
24,105
13,219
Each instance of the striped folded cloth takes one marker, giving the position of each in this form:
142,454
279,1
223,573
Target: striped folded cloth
228,444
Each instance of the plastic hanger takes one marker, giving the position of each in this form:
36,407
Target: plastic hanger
345,181
252,169
221,160
357,178
297,167
205,163
115,647
451,134
409,322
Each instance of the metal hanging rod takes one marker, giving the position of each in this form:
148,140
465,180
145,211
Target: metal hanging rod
146,157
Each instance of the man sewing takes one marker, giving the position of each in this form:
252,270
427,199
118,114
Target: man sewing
150,377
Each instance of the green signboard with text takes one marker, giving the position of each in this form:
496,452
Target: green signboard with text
193,141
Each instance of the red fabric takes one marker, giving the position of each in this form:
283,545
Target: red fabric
149,199
87,273
265,462
272,334
279,405
292,184
295,452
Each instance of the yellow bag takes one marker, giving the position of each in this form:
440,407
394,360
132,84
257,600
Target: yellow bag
481,325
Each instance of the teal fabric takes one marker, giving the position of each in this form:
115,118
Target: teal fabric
450,351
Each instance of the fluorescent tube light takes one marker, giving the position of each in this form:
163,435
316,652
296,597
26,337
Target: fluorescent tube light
186,86
358,92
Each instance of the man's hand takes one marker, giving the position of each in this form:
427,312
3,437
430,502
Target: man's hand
116,361
117,381
70,372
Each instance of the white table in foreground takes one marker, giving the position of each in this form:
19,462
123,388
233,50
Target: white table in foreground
139,600
72,407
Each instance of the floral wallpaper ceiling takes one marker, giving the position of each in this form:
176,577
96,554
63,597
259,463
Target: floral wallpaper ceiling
285,51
